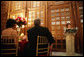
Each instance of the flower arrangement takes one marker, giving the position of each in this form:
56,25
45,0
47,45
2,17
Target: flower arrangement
20,21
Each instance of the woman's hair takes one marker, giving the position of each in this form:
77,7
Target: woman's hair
10,23
67,24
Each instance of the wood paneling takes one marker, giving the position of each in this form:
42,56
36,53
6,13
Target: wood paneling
4,14
79,12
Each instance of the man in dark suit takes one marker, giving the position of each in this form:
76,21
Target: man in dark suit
35,31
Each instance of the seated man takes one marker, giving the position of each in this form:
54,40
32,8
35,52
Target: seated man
35,31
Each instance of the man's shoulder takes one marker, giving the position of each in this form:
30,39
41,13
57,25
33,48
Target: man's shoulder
30,29
40,27
43,27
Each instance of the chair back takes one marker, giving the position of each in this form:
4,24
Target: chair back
9,45
42,46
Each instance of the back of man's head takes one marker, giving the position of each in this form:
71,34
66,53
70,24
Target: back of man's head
37,22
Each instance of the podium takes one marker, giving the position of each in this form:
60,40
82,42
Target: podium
70,38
